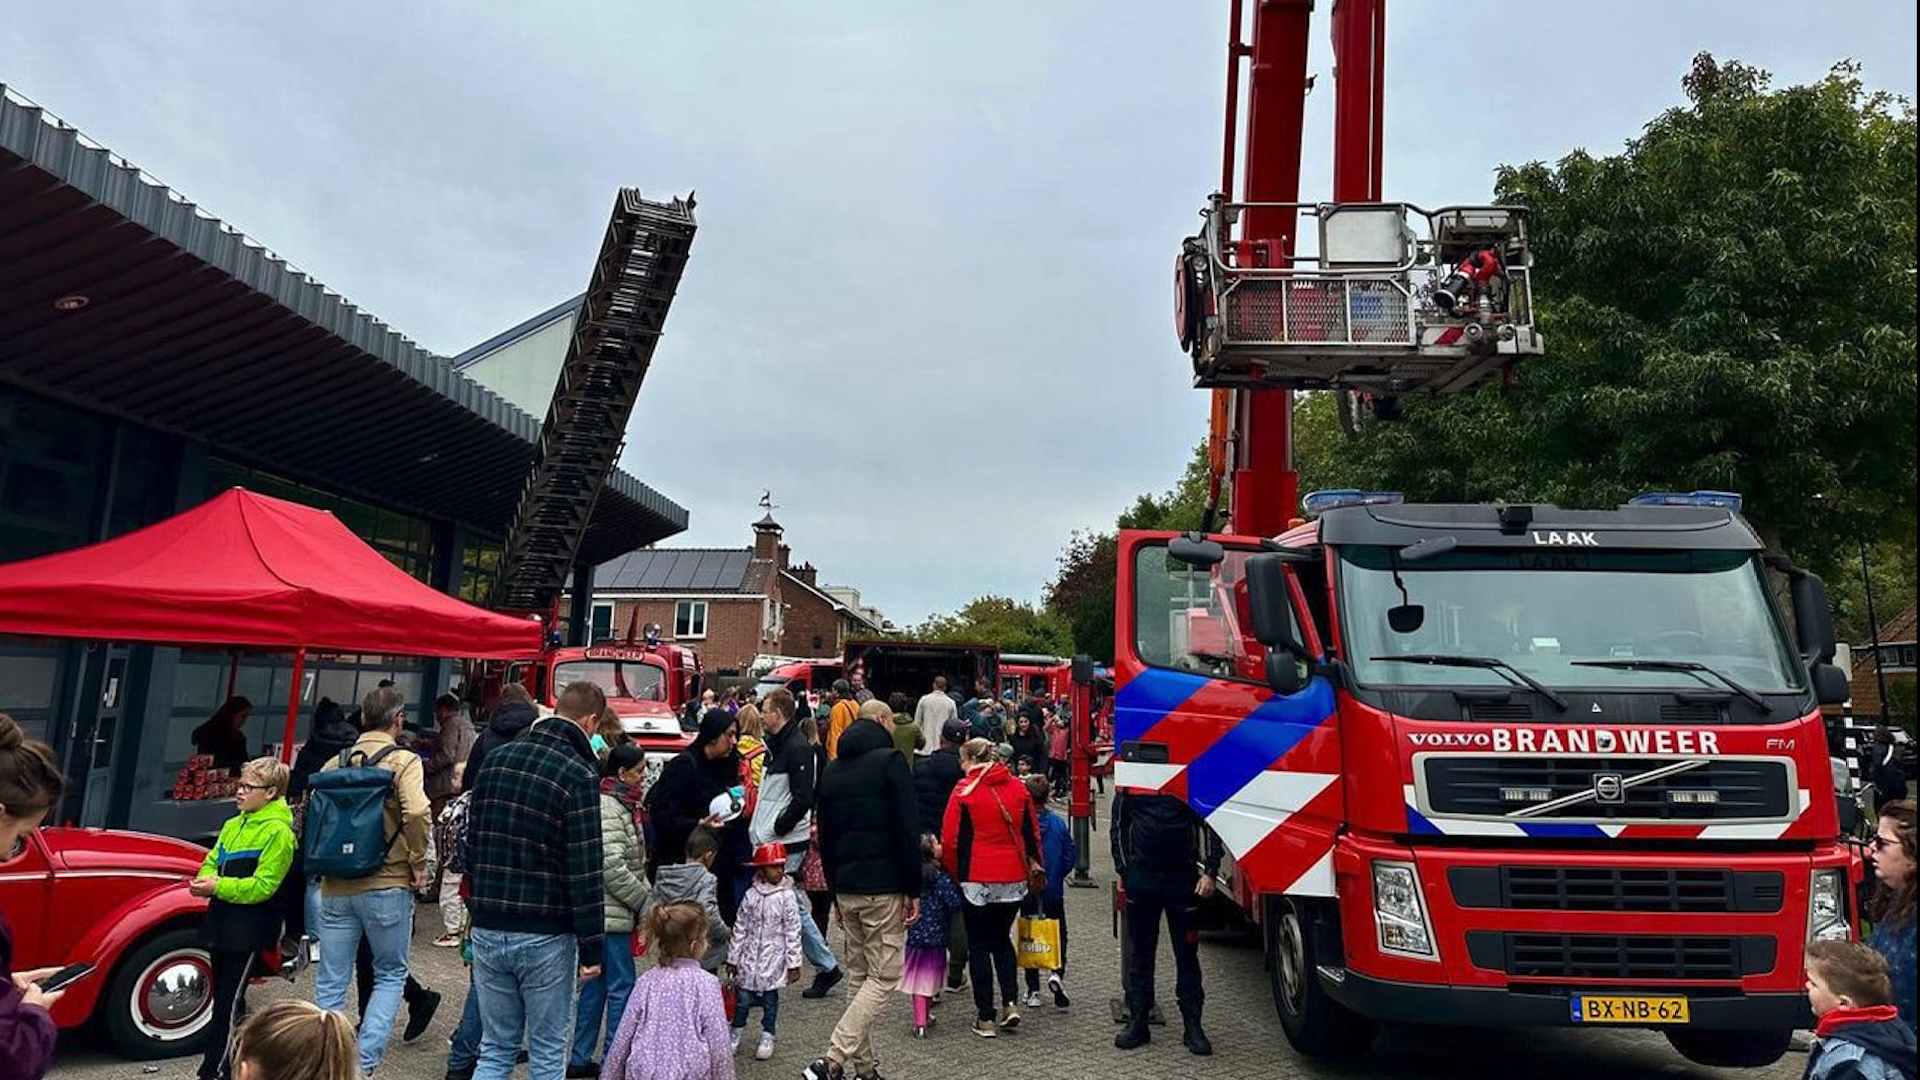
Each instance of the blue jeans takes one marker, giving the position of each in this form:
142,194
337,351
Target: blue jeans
813,943
525,984
385,916
606,995
465,1053
769,1002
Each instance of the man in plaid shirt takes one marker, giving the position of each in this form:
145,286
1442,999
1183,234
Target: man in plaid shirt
534,867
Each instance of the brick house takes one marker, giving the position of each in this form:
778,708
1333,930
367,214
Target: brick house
730,604
1897,644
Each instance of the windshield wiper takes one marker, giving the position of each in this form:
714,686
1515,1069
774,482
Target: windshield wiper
1691,667
1489,663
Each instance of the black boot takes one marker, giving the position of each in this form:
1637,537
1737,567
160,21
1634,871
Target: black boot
1135,1034
1194,1037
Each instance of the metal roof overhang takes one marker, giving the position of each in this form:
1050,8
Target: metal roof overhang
193,329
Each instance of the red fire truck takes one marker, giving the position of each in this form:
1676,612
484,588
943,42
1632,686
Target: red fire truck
648,685
1488,765
1033,675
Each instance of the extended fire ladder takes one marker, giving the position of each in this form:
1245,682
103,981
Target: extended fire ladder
639,268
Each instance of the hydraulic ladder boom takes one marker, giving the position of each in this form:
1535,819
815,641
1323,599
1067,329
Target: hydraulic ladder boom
633,283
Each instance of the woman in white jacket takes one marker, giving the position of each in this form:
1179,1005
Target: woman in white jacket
626,888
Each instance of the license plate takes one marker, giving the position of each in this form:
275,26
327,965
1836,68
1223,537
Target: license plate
1599,1009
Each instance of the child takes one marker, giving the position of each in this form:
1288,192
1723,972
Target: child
925,969
675,1024
448,829
1059,854
296,1040
693,881
765,954
239,878
1861,1035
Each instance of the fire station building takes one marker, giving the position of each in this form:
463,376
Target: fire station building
152,356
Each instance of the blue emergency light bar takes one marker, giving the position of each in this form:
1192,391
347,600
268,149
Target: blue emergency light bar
1320,502
1725,500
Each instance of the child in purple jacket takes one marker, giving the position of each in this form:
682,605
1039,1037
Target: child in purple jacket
676,1026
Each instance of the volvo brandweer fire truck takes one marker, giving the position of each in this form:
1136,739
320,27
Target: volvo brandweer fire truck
1499,765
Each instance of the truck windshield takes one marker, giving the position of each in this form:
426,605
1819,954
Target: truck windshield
615,678
1545,613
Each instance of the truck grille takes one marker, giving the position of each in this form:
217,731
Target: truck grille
1637,957
1742,789
1601,888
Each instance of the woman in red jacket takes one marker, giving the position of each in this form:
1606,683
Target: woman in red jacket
990,842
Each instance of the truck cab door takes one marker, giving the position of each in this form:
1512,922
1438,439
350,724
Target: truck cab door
1195,718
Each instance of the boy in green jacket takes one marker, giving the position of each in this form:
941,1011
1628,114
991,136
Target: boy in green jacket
239,879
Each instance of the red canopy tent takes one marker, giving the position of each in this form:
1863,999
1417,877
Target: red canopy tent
248,571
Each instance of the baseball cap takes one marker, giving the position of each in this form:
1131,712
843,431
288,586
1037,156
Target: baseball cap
956,730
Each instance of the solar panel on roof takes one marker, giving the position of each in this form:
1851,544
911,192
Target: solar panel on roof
707,571
734,572
654,575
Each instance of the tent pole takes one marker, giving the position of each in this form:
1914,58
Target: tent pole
293,704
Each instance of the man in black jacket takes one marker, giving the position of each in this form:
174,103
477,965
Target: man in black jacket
1168,860
936,775
784,815
512,715
870,850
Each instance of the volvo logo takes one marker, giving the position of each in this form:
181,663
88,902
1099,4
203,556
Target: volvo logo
1609,788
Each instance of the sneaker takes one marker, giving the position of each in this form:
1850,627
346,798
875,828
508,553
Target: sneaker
447,941
1009,1017
735,1037
986,1029
822,1069
1057,985
765,1049
822,982
583,1072
1033,999
920,1031
463,1073
956,978
420,1014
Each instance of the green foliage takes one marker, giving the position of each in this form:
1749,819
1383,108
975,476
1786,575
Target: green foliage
1730,303
1011,625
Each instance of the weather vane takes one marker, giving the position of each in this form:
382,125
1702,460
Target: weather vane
766,501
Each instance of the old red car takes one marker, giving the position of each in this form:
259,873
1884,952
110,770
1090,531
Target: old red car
117,900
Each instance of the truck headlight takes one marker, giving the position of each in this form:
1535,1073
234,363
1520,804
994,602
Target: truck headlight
1827,907
1399,911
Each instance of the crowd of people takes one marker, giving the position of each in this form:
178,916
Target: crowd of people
921,830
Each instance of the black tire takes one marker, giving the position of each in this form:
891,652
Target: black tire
1315,1024
175,1027
1732,1049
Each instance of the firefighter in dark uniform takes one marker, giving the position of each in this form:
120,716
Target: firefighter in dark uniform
1167,859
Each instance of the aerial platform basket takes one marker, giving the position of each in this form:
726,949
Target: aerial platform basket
1395,299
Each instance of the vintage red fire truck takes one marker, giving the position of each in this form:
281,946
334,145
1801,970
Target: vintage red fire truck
648,685
1511,766
1036,675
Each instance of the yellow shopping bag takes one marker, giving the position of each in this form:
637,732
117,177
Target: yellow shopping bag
1039,943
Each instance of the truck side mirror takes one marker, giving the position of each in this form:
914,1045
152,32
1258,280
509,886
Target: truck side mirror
1812,618
1268,598
1283,673
1830,684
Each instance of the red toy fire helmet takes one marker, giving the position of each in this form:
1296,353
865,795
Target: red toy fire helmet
768,855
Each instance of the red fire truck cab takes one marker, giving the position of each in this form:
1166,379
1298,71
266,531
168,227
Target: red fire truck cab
1501,766
648,685
1031,675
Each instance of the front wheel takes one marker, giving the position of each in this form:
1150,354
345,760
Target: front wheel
1732,1049
1315,1024
160,998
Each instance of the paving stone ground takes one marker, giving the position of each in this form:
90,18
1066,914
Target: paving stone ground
1075,1044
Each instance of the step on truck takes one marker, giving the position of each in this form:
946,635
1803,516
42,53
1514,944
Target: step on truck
1510,766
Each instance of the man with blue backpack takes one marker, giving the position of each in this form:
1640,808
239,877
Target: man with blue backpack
366,838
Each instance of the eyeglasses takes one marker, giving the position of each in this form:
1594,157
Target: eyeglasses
244,786
1881,843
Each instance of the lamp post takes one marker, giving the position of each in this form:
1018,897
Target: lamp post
1873,629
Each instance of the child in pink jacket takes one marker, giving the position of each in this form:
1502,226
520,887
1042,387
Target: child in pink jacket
765,954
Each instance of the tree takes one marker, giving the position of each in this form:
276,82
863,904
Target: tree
1010,625
1730,303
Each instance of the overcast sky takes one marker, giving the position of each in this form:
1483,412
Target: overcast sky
929,302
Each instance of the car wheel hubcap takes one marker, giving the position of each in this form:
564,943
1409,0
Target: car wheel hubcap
173,997
1292,959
